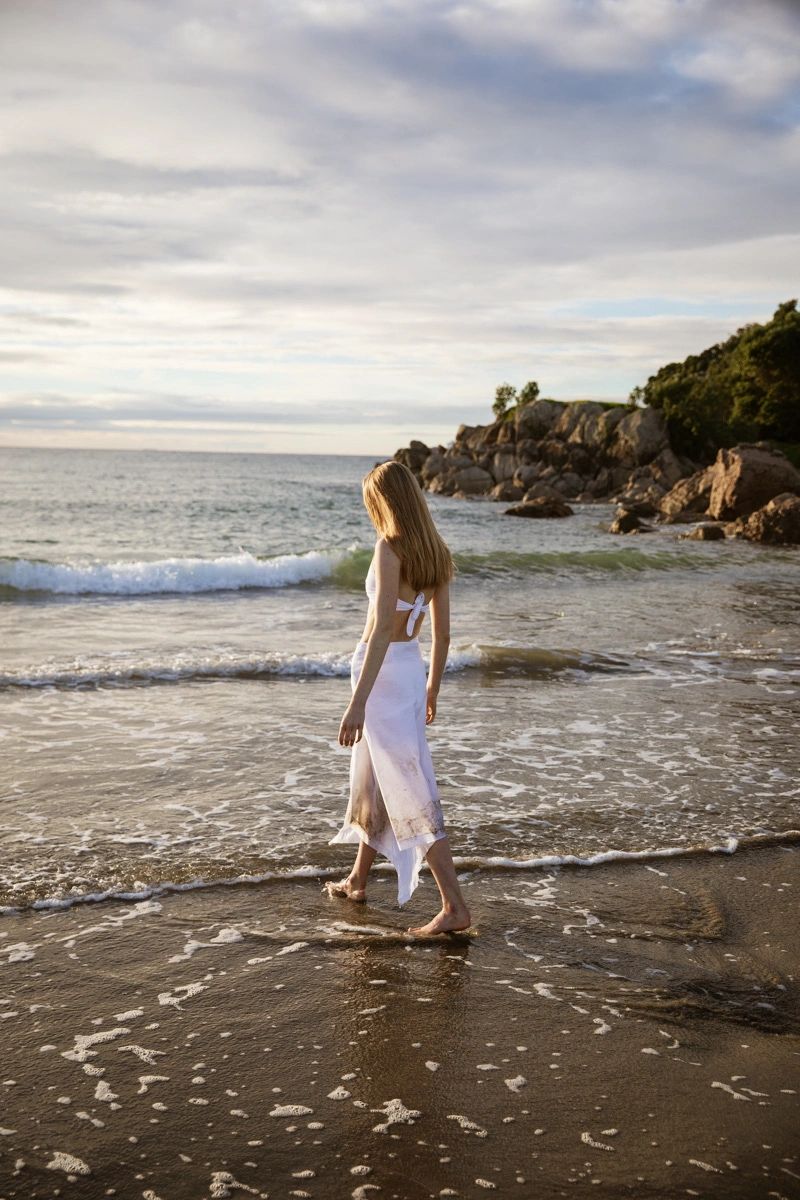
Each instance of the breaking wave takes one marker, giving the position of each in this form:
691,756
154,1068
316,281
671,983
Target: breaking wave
184,575
530,661
345,568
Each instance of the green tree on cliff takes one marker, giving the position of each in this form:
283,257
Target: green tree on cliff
529,393
744,389
506,397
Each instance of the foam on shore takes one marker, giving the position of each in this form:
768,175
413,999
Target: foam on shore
484,863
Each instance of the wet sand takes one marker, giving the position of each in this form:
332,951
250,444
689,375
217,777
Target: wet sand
630,1029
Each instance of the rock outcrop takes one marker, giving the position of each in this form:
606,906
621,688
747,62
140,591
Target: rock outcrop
688,497
777,523
540,506
706,532
581,450
543,454
626,520
640,436
507,491
414,456
738,485
746,478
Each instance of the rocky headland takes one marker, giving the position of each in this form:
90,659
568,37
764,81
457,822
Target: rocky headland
541,455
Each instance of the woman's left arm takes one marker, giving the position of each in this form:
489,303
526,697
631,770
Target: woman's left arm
387,579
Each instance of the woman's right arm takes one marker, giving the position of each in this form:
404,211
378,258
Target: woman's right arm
440,634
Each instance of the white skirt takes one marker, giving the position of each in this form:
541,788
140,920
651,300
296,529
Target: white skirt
394,801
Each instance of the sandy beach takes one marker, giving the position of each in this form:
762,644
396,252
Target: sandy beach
268,1041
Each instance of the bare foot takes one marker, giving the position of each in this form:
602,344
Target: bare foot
344,890
444,922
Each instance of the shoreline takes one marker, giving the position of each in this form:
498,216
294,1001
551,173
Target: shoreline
732,845
631,1030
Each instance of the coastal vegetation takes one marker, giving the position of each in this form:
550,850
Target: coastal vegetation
744,389
507,399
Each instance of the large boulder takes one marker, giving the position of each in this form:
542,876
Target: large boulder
639,436
535,420
528,451
413,456
642,493
507,433
609,419
491,433
453,461
581,459
542,491
688,497
464,432
472,481
666,468
506,491
568,484
540,507
528,474
504,464
553,451
578,420
628,521
746,477
442,485
433,465
476,437
589,432
705,532
777,523
600,485
618,477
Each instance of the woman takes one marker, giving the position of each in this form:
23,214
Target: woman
394,807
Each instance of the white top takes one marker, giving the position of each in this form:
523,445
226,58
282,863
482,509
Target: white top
413,610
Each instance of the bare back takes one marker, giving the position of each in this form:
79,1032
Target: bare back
412,615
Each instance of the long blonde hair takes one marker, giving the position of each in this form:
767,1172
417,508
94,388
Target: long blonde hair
397,508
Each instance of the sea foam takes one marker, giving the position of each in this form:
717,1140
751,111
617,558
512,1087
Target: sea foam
82,673
178,668
482,863
140,577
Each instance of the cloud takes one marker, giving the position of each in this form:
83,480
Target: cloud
110,410
604,36
395,205
752,56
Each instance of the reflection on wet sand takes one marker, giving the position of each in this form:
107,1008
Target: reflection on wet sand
630,1022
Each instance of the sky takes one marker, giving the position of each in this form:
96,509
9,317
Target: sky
335,225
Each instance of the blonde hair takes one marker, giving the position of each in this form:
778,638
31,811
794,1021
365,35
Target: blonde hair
397,508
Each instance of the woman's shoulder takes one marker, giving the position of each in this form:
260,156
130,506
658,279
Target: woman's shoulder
385,551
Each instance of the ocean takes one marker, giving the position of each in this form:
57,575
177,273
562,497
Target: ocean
176,631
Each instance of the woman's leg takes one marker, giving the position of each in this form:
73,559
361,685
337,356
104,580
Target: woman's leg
364,859
454,913
354,887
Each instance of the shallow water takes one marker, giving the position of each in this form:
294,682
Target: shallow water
176,631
